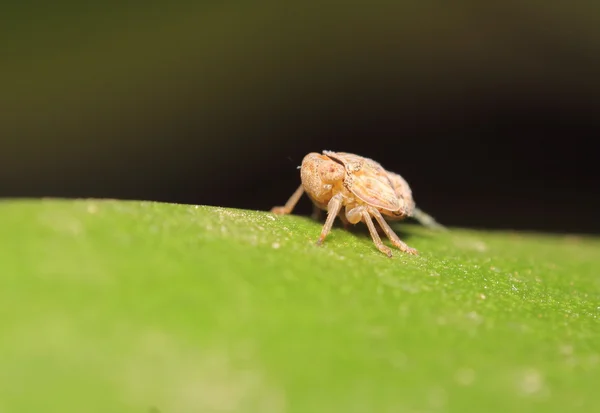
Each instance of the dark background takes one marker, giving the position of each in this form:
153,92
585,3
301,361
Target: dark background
490,111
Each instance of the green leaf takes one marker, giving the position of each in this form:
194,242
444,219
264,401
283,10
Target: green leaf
110,306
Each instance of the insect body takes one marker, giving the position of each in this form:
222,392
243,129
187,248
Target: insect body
336,180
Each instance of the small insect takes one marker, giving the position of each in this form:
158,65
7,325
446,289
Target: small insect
337,179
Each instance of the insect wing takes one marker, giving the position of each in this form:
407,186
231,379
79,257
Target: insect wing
403,192
371,184
368,180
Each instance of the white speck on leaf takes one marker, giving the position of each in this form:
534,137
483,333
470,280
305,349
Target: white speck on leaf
566,350
437,397
182,379
399,360
465,376
480,246
530,382
473,316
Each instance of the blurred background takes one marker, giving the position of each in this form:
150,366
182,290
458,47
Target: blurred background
488,109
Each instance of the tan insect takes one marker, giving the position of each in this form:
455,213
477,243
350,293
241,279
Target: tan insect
337,179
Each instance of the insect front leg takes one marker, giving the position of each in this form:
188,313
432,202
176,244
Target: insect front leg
354,215
317,215
401,245
374,234
290,204
333,208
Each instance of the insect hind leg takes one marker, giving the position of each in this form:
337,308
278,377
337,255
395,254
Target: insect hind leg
374,235
398,243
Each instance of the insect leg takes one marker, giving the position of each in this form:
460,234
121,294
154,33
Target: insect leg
345,221
290,204
375,235
401,245
427,220
333,209
316,213
355,214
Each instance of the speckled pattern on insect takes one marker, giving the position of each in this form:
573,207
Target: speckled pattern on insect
334,180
